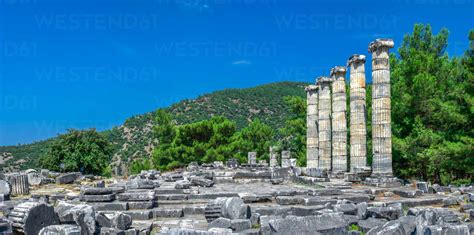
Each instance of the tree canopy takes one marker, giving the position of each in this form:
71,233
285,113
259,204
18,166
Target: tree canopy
78,150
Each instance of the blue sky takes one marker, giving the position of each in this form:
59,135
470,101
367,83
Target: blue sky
84,63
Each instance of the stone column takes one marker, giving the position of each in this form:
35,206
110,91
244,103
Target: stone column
273,158
19,184
358,129
312,126
339,123
285,158
252,158
324,122
381,128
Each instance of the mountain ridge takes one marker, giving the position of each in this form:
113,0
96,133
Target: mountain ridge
134,138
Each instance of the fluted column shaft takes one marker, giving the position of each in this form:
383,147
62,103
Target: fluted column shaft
381,127
358,130
273,158
252,158
312,126
19,184
339,124
324,123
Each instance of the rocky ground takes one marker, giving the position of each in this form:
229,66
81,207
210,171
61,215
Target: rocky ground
214,199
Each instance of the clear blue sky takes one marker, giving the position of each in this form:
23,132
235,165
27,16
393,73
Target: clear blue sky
93,63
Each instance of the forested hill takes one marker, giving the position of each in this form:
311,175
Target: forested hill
135,139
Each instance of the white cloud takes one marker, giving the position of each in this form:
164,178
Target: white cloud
241,62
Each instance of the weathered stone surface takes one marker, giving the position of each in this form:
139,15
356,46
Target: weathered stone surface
34,178
330,223
121,221
173,177
234,208
31,217
289,200
182,184
65,229
252,158
391,212
5,226
403,225
447,229
253,175
147,195
422,186
366,225
81,215
102,220
220,223
67,178
140,215
96,191
19,184
111,231
97,198
314,201
110,206
238,225
141,205
346,208
447,202
5,188
231,208
232,163
201,181
168,212
254,198
140,184
407,193
301,210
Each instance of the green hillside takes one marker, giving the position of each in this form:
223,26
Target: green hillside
135,138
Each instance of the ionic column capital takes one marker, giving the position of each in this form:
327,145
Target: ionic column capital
324,81
311,88
356,59
338,71
380,43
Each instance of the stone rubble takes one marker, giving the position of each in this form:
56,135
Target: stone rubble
246,203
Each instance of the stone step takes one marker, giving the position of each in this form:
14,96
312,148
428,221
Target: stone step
160,191
172,197
407,193
168,212
140,214
110,206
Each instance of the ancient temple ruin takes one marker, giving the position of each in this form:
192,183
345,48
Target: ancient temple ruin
358,114
326,116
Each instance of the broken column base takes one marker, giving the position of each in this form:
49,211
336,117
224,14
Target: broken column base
312,176
357,175
383,181
316,172
337,175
